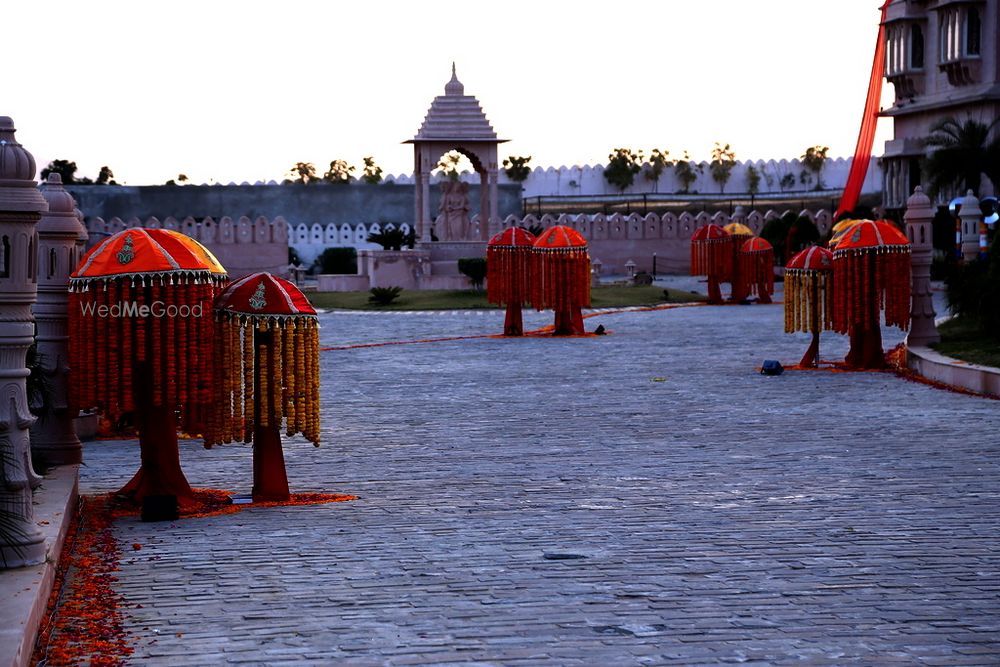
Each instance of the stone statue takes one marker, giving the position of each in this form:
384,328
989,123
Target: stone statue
453,221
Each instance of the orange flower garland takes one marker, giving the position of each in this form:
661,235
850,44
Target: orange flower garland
756,266
560,266
508,265
808,281
271,361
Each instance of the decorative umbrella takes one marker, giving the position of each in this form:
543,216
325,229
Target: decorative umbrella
560,265
808,307
756,273
712,256
507,274
142,341
738,235
267,345
871,272
839,230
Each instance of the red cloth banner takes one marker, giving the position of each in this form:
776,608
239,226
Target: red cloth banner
866,136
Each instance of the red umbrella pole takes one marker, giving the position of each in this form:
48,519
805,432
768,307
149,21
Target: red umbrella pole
569,322
513,324
812,354
270,481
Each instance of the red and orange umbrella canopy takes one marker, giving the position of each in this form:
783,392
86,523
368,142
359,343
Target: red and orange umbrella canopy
560,237
144,296
710,232
738,229
560,265
868,234
508,266
264,322
871,269
265,295
756,245
813,258
808,277
140,252
513,237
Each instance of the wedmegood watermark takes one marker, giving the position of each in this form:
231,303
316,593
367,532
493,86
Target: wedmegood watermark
134,309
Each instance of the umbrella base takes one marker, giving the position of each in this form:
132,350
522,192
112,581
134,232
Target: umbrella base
866,350
270,482
513,324
569,322
160,471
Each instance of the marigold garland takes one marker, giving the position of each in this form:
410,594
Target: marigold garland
560,270
756,267
508,267
285,389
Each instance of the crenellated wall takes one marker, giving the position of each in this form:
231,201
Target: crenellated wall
616,239
243,246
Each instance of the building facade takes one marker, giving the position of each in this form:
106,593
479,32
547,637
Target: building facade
941,56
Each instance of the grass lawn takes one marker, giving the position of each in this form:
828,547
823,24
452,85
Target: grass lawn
961,339
609,296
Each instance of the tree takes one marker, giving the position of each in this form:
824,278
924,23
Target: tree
658,161
813,160
753,179
372,173
339,172
687,172
105,177
303,172
623,165
723,161
338,260
448,165
181,178
517,168
65,168
962,154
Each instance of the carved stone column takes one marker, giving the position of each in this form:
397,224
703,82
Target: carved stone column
970,215
918,216
53,437
21,205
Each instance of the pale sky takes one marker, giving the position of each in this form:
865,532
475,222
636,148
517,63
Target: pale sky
240,90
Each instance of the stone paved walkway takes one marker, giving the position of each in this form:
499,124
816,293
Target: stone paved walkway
637,499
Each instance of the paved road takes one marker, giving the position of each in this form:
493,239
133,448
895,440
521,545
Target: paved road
641,498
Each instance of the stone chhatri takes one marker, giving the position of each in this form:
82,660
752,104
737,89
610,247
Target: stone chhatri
455,116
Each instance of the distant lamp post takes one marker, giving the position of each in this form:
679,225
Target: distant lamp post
630,268
654,266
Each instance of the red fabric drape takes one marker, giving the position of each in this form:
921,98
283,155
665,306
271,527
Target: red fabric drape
866,136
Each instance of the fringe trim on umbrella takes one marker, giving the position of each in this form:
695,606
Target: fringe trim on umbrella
166,320
287,383
800,286
508,274
757,269
560,278
712,257
867,280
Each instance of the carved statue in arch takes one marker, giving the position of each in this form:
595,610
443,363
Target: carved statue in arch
454,212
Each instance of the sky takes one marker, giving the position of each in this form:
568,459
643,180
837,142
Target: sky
240,90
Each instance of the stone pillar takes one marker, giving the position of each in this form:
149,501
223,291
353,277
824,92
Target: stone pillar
918,216
484,206
21,205
53,437
493,223
970,217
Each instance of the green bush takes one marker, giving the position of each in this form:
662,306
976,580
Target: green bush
338,260
974,291
789,234
391,239
474,268
383,296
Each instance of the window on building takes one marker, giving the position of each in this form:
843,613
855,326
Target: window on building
973,32
916,47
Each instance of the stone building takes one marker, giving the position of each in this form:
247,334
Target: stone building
943,59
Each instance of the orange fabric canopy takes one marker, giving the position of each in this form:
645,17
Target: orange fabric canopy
870,234
813,258
147,252
264,295
755,245
710,232
513,237
559,237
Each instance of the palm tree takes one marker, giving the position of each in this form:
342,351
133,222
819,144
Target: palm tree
963,152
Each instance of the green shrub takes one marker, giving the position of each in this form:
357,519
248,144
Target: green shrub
974,291
789,234
390,239
383,296
475,269
338,260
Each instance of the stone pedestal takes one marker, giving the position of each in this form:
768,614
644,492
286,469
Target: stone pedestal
53,437
21,205
918,216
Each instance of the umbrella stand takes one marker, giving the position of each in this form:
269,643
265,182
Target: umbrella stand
270,481
866,338
159,471
714,293
812,353
569,322
513,324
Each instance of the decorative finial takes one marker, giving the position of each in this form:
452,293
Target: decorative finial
454,87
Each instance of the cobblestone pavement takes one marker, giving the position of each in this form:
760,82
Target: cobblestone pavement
642,498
